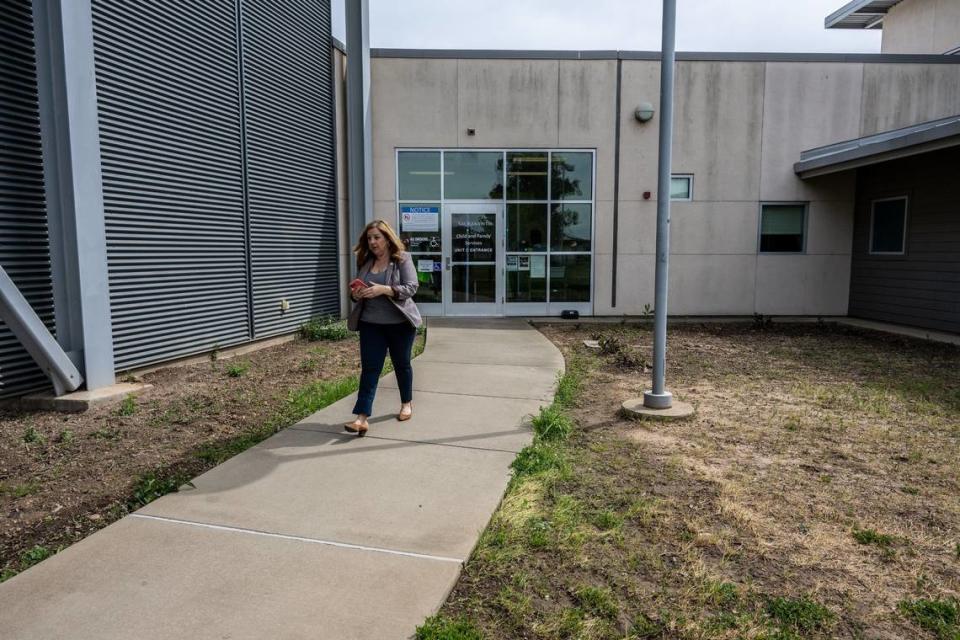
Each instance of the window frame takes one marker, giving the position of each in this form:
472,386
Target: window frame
520,308
805,226
906,217
689,177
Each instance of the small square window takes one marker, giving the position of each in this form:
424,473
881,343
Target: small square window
782,228
681,187
888,226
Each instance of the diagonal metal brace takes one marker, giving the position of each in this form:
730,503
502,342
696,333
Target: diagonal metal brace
36,338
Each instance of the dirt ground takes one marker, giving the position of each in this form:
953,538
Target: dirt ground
63,476
816,490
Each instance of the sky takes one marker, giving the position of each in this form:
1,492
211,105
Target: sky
702,25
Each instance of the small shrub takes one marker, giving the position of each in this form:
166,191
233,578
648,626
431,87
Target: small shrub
628,359
65,437
552,424
439,627
610,345
128,406
598,602
32,436
941,617
238,369
324,328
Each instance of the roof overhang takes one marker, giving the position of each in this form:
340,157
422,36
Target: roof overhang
860,14
880,147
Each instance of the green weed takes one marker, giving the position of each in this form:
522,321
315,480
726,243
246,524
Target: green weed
598,602
324,328
34,556
799,614
941,617
644,627
537,458
869,536
439,627
32,436
552,423
320,394
19,490
569,383
607,520
721,594
151,486
238,369
66,436
128,406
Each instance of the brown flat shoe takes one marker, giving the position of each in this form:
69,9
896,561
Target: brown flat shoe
403,417
353,427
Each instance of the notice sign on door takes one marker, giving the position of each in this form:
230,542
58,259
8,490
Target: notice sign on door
420,218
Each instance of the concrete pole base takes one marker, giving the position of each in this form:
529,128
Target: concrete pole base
637,409
653,400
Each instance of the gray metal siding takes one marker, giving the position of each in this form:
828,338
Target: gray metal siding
922,287
24,248
289,112
168,92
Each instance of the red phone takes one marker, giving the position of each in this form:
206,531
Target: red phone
357,284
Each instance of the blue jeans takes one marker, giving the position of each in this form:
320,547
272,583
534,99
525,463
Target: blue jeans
375,341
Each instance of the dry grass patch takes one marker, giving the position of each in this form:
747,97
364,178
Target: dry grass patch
814,495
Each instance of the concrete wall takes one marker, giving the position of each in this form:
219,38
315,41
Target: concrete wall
922,26
740,127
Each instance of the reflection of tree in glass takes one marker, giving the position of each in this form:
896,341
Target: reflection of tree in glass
497,192
571,226
564,185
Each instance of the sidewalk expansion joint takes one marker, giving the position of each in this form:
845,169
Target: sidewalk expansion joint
281,536
410,441
472,395
491,364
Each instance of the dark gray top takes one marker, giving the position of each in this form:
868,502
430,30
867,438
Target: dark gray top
380,310
402,278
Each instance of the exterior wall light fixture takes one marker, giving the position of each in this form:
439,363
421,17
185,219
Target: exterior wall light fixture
644,112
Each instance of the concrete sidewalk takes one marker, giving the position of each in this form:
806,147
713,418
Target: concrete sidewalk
313,533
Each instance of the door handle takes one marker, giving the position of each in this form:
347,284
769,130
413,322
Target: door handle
448,263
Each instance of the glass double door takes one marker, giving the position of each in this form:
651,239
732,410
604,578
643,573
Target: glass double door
472,259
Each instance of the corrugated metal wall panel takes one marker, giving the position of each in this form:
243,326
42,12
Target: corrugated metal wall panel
24,247
168,90
289,111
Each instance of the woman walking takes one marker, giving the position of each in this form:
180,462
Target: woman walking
386,317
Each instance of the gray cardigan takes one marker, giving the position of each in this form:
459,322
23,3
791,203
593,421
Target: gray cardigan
402,278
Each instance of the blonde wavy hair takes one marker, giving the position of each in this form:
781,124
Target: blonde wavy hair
362,249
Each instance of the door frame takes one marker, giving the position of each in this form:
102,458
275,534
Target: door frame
449,208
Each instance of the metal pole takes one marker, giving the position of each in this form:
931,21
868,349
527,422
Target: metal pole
24,323
659,397
67,90
360,176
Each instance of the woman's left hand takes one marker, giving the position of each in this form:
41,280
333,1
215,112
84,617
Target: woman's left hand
375,290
